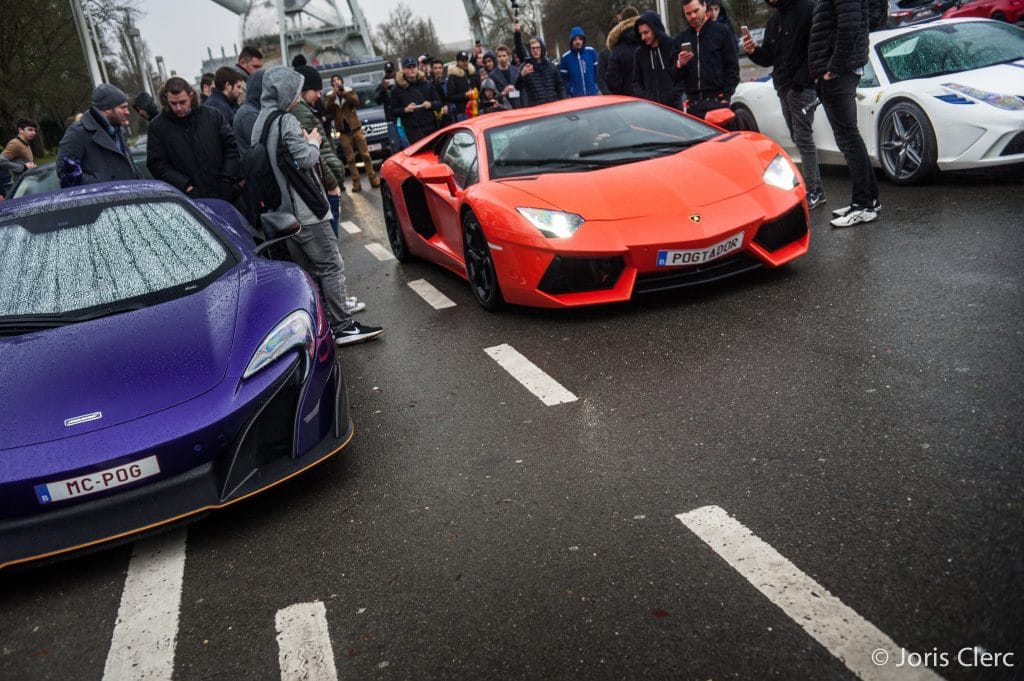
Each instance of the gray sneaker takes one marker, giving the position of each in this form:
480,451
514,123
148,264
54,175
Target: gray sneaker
353,305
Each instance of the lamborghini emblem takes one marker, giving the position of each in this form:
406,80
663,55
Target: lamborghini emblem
695,217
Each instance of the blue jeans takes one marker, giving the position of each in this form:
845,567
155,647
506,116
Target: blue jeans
839,99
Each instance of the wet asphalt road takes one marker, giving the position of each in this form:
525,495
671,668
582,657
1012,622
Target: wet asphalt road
859,411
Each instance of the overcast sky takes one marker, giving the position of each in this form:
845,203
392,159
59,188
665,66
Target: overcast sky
180,31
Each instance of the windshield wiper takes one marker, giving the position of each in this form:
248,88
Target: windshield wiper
645,146
554,161
16,324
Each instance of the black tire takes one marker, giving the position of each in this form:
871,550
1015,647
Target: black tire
393,225
906,144
483,279
999,16
744,119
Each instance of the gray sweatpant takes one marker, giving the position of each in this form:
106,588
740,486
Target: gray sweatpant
315,249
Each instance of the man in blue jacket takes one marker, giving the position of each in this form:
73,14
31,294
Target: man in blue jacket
578,66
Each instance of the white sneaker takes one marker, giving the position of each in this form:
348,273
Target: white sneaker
353,305
855,216
840,212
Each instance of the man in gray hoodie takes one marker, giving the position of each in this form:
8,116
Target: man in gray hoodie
315,247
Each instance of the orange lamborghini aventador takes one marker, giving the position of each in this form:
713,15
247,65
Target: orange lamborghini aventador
593,200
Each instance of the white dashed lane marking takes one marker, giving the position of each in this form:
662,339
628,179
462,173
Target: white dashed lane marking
427,292
350,227
146,631
857,643
304,644
530,375
380,252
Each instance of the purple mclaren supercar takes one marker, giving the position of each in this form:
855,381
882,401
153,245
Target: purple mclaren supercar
153,367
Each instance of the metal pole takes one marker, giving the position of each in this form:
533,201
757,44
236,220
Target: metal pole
83,36
663,11
96,37
282,28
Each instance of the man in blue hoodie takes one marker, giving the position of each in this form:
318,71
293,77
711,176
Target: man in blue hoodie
578,66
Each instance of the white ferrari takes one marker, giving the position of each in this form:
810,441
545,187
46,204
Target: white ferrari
946,95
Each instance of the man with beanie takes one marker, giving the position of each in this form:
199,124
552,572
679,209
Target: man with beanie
314,248
97,144
191,147
785,48
333,171
578,66
145,106
414,101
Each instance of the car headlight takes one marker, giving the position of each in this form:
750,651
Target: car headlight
552,223
780,173
294,331
1008,102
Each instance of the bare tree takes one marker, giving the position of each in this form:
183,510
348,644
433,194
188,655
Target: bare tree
404,34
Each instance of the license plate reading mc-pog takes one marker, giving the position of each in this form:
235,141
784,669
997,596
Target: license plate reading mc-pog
98,481
697,256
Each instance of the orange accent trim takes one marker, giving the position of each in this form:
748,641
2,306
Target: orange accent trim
212,507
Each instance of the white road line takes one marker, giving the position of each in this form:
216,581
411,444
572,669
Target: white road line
146,630
350,227
380,252
530,375
304,644
857,643
427,292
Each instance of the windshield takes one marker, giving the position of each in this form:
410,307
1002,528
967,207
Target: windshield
941,49
589,139
36,182
92,257
367,96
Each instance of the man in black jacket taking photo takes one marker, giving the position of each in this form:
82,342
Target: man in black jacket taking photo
707,64
414,100
785,48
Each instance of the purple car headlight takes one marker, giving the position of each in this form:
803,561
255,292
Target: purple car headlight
294,331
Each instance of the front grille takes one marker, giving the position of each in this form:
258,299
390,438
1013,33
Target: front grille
576,275
697,274
1016,145
777,233
374,129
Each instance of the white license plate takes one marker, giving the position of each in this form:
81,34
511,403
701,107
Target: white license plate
374,147
98,481
697,256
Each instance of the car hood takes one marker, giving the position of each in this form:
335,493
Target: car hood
122,367
1000,78
708,173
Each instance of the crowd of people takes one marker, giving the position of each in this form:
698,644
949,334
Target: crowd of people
202,142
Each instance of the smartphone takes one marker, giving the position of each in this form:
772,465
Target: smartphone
745,31
686,47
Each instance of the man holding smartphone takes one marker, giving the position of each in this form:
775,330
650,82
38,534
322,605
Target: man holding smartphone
708,64
785,49
414,100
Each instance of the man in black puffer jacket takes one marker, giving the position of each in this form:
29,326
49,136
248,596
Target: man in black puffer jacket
622,43
414,100
539,77
710,68
654,63
836,53
191,147
785,48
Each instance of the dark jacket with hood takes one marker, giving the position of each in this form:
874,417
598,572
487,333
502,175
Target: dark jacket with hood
503,79
97,152
579,67
421,122
838,40
281,89
459,82
654,67
714,71
218,101
622,43
785,45
247,113
545,83
197,150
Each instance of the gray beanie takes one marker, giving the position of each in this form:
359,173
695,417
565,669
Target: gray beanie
108,96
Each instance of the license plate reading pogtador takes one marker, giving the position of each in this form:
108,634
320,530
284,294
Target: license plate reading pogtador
697,256
99,481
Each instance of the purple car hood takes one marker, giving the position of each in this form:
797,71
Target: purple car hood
122,367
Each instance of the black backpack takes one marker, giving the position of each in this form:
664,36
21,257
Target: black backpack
261,186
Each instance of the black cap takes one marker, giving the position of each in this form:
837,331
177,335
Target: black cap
407,62
389,67
462,56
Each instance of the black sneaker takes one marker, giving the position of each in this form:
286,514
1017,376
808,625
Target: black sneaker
356,333
815,199
840,212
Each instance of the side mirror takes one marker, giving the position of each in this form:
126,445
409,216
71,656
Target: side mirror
438,174
277,227
720,117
